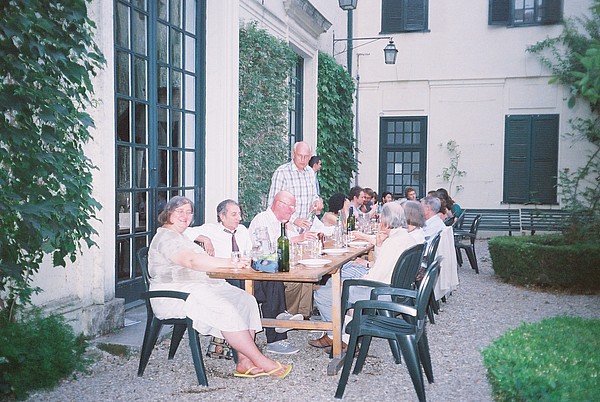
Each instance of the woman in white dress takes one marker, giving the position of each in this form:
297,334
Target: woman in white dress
215,307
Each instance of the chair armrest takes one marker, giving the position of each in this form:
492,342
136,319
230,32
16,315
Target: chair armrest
173,294
373,305
375,293
356,282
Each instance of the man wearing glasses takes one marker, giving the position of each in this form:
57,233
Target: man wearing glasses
298,296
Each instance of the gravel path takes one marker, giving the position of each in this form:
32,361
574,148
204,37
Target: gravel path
481,310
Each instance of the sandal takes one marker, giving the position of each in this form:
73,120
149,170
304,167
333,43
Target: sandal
248,373
279,368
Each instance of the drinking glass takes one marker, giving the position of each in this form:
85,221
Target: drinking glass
235,259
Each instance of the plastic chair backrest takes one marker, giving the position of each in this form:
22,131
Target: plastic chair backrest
426,287
458,224
474,227
142,255
405,271
430,251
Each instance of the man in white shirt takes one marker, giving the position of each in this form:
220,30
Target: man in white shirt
298,295
225,237
433,223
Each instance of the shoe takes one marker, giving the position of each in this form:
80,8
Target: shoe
329,349
323,342
248,373
282,347
287,316
286,371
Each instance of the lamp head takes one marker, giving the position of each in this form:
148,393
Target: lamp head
390,52
347,5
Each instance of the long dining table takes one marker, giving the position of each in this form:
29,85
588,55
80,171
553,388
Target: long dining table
302,273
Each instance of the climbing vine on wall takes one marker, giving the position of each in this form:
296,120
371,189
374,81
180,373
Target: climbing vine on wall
265,65
335,139
47,59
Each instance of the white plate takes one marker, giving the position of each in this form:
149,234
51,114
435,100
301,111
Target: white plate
314,262
358,243
334,251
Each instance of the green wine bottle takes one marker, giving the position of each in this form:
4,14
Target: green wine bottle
351,223
283,251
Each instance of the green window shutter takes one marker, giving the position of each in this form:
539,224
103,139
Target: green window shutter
499,12
516,159
416,15
552,12
391,16
544,158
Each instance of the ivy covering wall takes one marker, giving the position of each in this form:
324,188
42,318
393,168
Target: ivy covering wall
47,58
335,138
265,65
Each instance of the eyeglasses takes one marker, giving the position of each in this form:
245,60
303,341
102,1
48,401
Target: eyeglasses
181,212
287,205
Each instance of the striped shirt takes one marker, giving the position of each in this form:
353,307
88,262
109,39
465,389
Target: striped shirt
301,183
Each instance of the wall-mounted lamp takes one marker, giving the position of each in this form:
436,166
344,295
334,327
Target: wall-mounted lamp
389,52
348,4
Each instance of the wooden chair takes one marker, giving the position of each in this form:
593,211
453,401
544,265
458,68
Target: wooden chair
154,325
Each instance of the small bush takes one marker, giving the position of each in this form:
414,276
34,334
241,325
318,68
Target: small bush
557,359
37,352
549,261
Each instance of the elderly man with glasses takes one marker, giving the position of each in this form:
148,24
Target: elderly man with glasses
298,296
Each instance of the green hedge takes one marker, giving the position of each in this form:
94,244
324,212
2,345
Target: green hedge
557,359
37,352
548,261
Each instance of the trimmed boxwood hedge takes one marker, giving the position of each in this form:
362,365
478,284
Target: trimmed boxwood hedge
548,261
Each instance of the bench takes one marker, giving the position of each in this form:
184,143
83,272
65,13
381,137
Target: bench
495,220
545,220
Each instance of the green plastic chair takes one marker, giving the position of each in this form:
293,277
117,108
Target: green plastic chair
403,276
393,321
154,325
466,241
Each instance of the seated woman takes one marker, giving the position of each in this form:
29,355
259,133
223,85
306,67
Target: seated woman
215,307
337,202
391,241
451,205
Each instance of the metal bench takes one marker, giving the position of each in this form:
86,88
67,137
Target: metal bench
494,220
544,220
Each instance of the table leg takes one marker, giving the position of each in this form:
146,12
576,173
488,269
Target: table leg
336,311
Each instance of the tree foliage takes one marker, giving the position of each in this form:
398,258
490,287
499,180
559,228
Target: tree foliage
574,59
264,96
47,58
335,139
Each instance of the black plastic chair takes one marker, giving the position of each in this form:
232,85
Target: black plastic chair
154,325
401,323
403,276
466,241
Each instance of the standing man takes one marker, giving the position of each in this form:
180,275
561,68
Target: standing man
433,223
298,296
299,179
227,236
316,165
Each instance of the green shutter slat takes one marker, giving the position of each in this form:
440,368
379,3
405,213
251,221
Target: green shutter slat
552,12
516,159
391,16
499,12
416,15
544,158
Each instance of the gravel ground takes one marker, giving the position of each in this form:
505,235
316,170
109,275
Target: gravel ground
481,310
